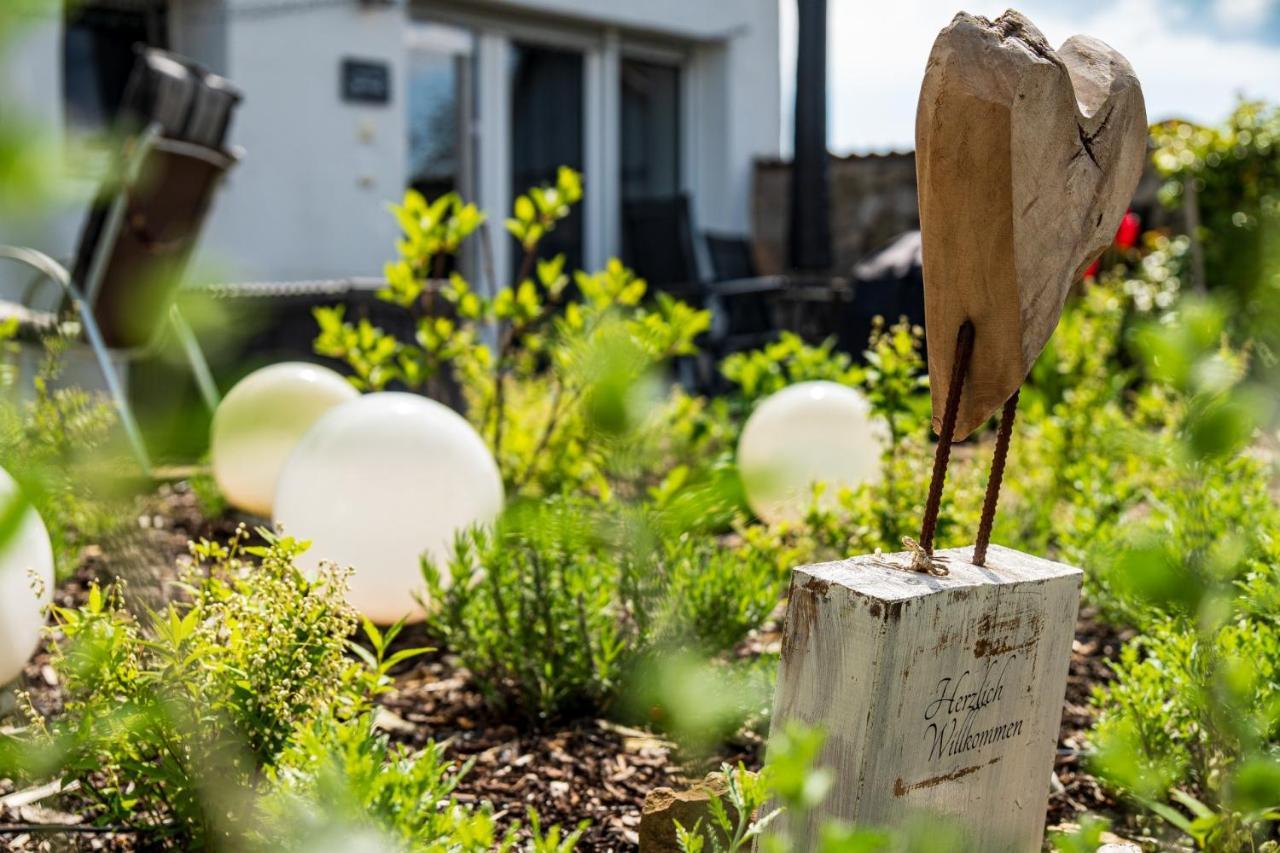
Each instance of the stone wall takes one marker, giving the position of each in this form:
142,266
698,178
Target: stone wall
873,200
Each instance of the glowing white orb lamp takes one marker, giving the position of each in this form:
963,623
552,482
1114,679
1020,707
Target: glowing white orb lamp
807,433
26,584
379,481
261,420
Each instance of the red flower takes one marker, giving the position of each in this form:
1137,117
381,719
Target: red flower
1126,238
1129,230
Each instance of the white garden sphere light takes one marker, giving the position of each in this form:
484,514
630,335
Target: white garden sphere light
379,481
804,434
259,423
27,552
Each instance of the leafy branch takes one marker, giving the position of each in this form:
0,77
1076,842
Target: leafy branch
536,346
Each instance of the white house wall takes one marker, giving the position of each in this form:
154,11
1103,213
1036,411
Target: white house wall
31,95
309,199
703,20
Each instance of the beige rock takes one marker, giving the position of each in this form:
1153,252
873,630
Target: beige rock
1112,843
1026,161
664,806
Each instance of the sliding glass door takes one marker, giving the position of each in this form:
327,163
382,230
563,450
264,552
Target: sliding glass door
499,103
547,125
650,101
439,119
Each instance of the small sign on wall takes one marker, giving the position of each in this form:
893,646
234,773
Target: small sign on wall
366,81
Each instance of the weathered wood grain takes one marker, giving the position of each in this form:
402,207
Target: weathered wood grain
939,696
1026,159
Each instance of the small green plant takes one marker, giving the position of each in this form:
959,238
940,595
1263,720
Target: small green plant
167,717
552,609
235,717
58,445
773,810
347,780
714,595
733,826
531,610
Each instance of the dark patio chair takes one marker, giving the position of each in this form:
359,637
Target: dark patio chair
658,243
747,299
144,224
730,256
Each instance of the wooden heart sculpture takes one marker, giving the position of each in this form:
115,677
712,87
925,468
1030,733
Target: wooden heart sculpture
1026,159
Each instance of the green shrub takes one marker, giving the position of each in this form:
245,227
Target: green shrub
1201,532
235,719
531,609
714,595
758,373
1190,727
552,609
1234,172
1194,718
163,716
1164,695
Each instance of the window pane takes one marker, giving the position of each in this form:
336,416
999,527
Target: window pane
438,97
546,132
650,130
98,55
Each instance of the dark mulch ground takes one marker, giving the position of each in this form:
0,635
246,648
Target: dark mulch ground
591,770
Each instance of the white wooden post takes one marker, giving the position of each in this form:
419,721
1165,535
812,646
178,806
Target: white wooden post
939,696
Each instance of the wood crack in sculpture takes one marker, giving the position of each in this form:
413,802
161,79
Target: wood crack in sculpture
1026,161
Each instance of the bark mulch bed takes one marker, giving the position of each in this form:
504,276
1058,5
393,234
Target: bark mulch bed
586,770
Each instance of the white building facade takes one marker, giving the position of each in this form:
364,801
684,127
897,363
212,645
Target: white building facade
347,102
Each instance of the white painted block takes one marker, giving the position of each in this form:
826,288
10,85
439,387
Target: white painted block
939,696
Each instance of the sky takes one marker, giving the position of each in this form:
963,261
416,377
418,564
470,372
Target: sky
1193,57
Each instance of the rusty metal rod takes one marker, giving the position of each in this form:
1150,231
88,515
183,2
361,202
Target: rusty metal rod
942,455
993,483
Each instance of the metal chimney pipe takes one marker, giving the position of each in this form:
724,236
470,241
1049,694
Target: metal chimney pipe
810,226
